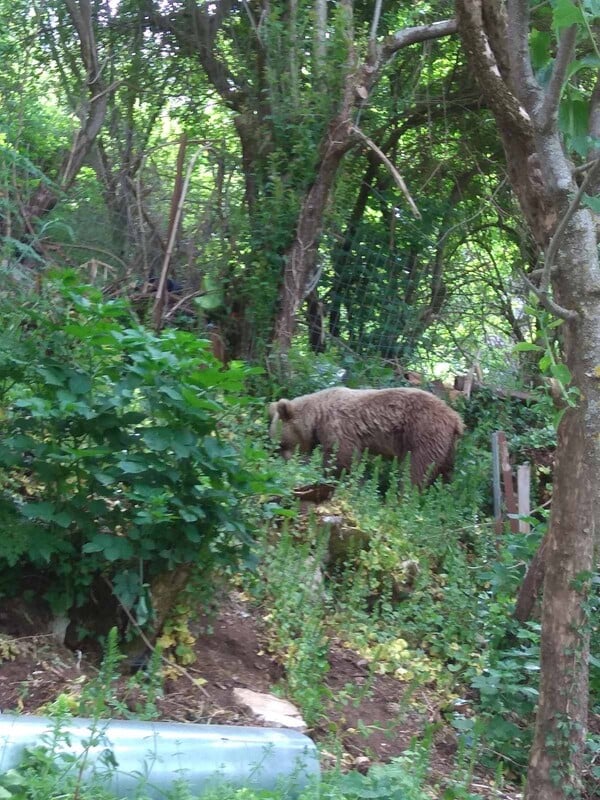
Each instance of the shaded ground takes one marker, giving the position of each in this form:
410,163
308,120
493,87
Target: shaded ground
377,722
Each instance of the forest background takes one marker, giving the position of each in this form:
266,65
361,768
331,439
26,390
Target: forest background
307,193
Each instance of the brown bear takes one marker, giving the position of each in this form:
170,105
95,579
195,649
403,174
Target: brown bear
386,422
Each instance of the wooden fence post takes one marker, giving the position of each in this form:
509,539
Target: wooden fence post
523,491
507,480
502,469
496,485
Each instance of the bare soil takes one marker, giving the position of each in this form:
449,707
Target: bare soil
376,723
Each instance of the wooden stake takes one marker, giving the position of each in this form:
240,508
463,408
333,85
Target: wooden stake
523,492
496,485
507,479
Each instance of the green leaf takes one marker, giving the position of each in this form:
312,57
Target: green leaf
545,363
52,376
80,383
157,438
463,724
574,121
213,297
188,516
192,534
132,467
193,399
104,478
63,519
561,372
528,691
183,443
142,611
566,13
539,43
591,202
127,586
132,418
112,547
592,8
587,62
14,778
526,347
43,510
171,391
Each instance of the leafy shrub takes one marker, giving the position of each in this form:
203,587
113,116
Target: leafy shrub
112,462
289,582
527,424
301,372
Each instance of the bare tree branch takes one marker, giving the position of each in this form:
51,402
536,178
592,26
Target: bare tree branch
394,172
476,41
438,292
196,36
320,32
496,25
547,302
375,20
158,303
536,274
547,116
420,33
339,138
523,80
313,281
171,312
253,24
91,114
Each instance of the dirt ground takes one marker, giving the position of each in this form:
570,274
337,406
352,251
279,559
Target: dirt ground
375,726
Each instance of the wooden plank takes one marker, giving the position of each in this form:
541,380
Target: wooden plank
471,376
496,483
523,495
507,480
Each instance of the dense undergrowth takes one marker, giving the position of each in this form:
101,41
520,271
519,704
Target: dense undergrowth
425,592
126,456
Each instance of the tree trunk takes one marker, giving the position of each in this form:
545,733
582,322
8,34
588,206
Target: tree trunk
45,196
360,79
315,319
532,585
302,256
495,38
556,757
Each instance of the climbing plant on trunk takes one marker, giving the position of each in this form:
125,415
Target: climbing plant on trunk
496,36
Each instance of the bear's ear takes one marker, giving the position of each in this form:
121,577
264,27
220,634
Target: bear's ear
284,410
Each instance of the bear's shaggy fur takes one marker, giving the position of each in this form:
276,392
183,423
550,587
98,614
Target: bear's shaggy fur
386,422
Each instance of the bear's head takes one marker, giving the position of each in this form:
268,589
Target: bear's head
289,429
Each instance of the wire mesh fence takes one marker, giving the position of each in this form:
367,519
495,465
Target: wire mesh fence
388,292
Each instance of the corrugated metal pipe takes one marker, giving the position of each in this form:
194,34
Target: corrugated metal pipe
158,754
